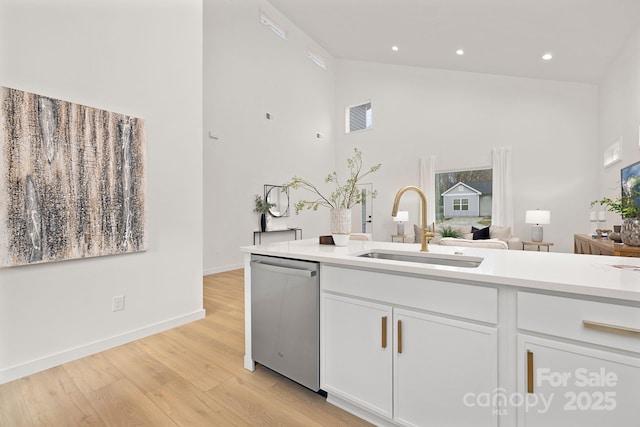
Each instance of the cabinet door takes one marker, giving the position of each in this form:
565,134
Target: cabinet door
571,385
444,371
356,362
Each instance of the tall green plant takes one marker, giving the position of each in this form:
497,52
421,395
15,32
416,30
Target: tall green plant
345,195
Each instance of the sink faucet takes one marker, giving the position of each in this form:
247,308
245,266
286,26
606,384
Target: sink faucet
423,199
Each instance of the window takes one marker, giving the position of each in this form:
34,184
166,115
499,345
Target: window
358,117
613,153
460,204
464,197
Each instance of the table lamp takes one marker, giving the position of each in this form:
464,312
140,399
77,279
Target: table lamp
403,216
537,218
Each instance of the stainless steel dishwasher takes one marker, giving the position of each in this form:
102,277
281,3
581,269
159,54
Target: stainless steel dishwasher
285,317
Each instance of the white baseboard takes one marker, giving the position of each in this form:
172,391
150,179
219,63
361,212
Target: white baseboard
359,412
214,270
33,366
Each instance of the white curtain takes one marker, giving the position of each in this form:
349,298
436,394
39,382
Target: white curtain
502,199
428,186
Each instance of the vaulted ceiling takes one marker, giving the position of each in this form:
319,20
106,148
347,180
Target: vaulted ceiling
505,37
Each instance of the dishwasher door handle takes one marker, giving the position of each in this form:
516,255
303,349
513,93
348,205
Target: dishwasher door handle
284,270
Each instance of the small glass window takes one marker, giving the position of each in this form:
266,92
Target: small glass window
359,117
460,204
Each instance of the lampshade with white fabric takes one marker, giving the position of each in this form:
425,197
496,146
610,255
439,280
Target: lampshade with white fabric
537,218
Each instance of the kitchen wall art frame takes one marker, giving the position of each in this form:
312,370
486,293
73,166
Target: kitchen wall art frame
73,181
630,174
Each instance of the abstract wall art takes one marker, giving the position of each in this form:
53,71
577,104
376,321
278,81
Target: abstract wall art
72,180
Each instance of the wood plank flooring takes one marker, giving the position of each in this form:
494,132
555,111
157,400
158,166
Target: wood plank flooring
192,375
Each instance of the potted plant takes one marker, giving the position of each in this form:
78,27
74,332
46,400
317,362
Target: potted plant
628,207
344,196
262,207
449,231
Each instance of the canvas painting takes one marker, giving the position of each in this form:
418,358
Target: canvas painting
72,180
630,181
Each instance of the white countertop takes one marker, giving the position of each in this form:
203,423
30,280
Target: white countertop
591,275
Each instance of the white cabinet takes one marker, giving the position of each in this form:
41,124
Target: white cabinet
444,369
356,356
430,370
573,385
587,372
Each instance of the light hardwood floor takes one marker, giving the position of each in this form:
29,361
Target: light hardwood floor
192,375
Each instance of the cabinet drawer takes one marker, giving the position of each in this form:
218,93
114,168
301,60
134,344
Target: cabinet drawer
611,325
455,299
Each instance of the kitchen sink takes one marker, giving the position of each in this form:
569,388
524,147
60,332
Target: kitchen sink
425,258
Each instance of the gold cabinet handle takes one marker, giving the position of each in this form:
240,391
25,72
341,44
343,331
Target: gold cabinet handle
384,331
399,336
529,371
611,328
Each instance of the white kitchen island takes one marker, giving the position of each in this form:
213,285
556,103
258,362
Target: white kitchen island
524,339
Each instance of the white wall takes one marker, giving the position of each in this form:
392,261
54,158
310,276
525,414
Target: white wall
248,72
458,117
620,118
552,126
143,58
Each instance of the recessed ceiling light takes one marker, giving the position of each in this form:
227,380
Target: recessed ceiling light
460,52
547,56
394,48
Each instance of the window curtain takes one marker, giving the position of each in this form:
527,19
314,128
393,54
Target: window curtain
502,199
428,186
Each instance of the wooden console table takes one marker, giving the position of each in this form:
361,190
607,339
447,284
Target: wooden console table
585,244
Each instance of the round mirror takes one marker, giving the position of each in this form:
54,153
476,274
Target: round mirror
279,197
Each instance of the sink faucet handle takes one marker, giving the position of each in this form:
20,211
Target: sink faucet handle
430,233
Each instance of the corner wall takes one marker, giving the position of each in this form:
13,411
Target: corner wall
248,72
620,118
142,58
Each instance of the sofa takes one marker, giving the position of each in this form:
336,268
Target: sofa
497,237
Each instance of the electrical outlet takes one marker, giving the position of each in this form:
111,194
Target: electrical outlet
118,303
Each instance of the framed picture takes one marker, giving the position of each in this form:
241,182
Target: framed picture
72,183
630,180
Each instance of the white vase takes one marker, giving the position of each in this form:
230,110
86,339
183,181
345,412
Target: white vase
340,226
340,221
340,239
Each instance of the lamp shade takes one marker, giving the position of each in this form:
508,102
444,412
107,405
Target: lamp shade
403,216
538,217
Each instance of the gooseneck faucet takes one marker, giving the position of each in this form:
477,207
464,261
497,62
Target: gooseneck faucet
423,200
